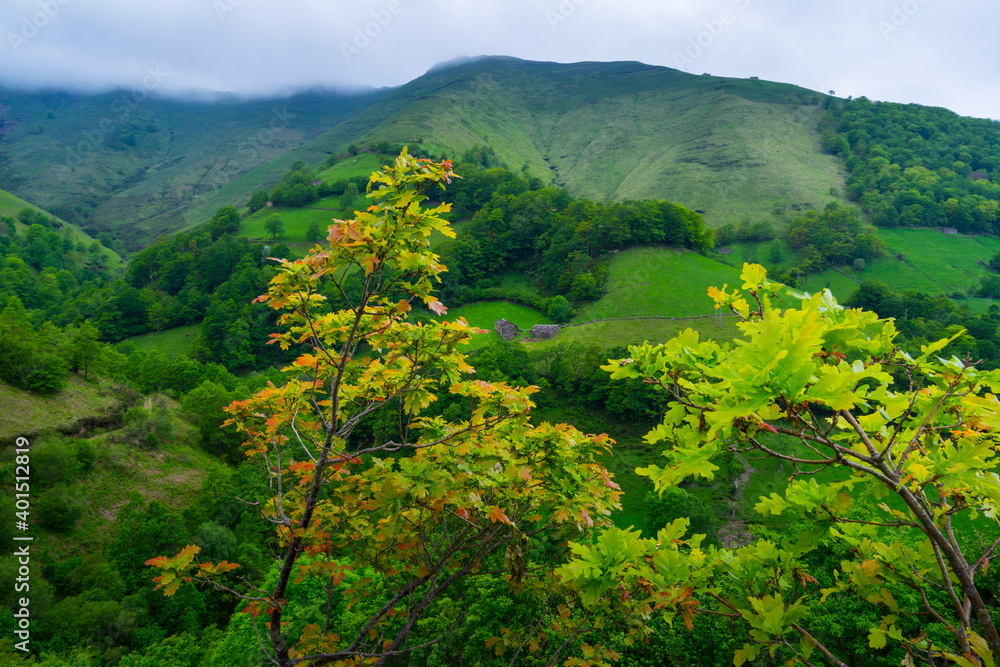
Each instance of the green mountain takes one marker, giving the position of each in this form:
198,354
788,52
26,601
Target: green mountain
140,168
726,147
732,149
11,206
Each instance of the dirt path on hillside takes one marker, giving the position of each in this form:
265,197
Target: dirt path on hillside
734,533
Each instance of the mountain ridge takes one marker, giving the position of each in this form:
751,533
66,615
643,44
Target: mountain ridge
620,130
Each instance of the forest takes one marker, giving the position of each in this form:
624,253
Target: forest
916,166
419,504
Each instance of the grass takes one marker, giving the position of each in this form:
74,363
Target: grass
484,315
626,130
840,285
171,475
939,264
172,342
660,282
362,164
26,413
298,220
932,263
634,332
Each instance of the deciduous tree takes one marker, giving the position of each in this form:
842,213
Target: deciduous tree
918,435
436,502
274,225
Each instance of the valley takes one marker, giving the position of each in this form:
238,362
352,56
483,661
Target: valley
149,251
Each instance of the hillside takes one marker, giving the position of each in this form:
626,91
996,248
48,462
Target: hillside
11,206
730,148
143,168
81,405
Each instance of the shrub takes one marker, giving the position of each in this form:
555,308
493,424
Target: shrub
675,503
54,462
46,374
217,542
85,454
59,509
559,310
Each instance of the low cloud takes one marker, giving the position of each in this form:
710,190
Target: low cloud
924,51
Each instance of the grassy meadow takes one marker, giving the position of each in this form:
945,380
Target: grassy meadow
484,315
923,260
630,332
662,282
729,148
25,413
362,164
172,342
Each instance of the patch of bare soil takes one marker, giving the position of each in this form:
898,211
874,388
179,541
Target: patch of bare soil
734,533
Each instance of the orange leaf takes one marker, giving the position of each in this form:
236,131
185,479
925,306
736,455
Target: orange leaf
496,514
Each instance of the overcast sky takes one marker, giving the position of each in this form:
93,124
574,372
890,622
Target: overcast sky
934,52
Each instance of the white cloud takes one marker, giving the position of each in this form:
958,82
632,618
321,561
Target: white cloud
932,52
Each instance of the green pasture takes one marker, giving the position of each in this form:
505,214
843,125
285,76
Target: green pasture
840,285
634,332
297,221
172,342
484,315
662,282
362,164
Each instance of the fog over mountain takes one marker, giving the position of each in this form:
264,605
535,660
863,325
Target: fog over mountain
932,53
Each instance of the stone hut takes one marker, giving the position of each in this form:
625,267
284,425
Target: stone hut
545,330
950,231
318,182
269,204
725,251
506,330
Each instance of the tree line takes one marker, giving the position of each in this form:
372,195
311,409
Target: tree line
559,242
912,165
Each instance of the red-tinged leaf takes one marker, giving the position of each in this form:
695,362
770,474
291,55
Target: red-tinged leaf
302,466
496,514
438,307
525,474
186,555
491,641
768,427
462,512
